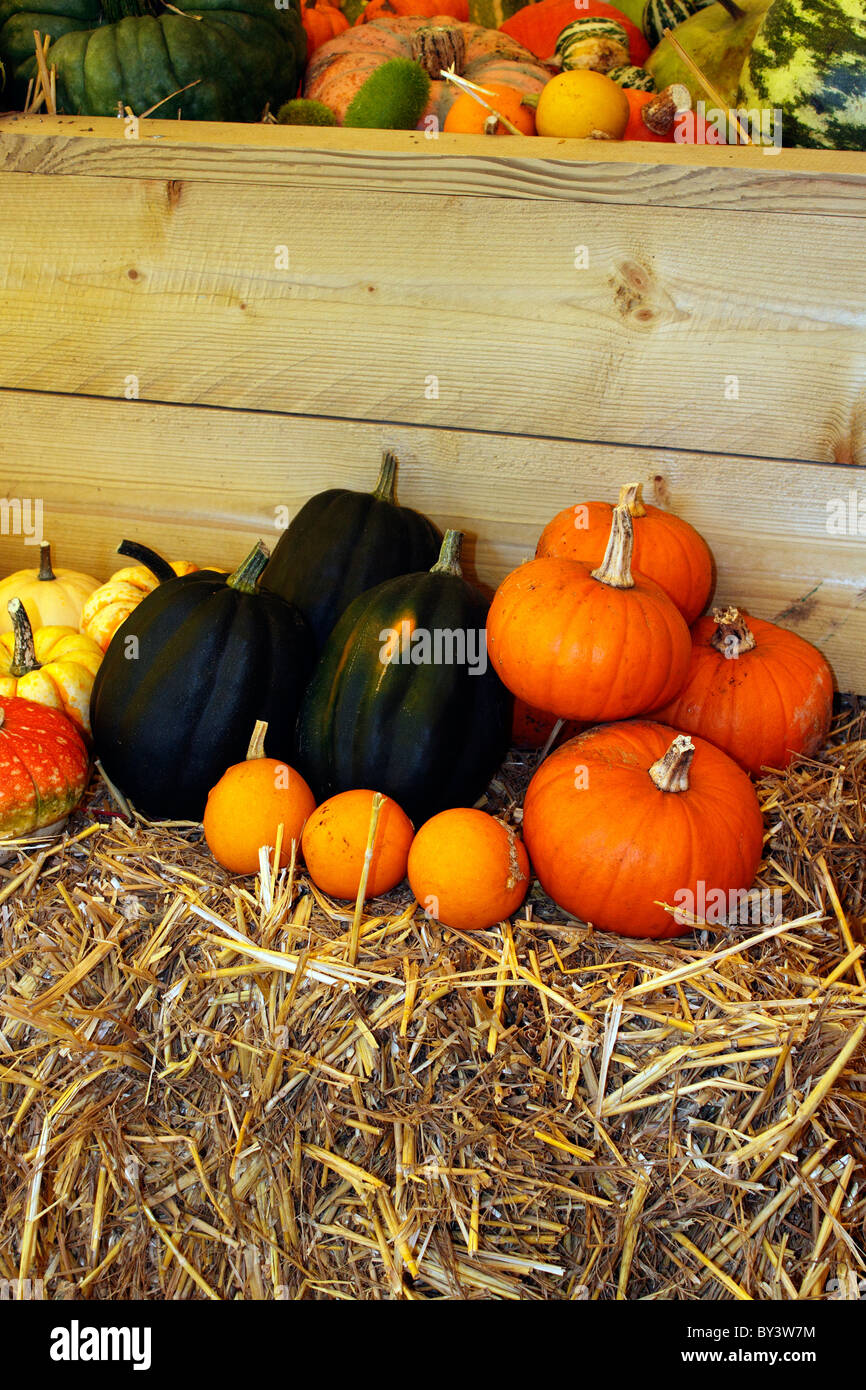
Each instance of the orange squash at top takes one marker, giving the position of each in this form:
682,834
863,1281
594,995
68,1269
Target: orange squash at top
630,816
538,26
666,548
321,22
382,9
757,690
588,644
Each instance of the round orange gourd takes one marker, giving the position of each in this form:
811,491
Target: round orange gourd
321,22
758,691
249,803
468,870
335,842
588,644
629,816
666,548
337,71
468,117
55,666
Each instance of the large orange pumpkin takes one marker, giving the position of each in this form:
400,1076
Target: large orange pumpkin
666,548
629,816
758,691
339,69
588,644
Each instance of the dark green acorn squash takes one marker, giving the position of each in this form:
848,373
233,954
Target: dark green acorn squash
429,733
185,678
241,54
342,543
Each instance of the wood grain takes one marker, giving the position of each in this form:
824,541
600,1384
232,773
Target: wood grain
467,314
205,483
397,162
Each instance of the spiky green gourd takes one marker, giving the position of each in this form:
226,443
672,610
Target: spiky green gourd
629,76
232,56
392,98
299,111
808,60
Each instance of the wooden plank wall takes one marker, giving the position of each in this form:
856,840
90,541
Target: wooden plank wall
195,331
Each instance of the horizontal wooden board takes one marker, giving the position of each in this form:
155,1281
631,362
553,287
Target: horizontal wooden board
204,484
534,317
643,174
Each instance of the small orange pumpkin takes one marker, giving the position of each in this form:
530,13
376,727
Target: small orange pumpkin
249,803
588,644
321,22
44,766
666,548
468,117
630,816
467,869
335,840
757,690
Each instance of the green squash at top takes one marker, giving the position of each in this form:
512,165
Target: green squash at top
137,53
808,60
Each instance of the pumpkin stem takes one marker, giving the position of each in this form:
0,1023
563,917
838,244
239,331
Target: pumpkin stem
615,568
384,489
246,577
631,494
436,47
671,773
45,570
158,567
257,742
24,655
732,636
449,555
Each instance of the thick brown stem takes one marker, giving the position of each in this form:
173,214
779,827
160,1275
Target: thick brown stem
733,636
257,742
159,568
615,568
384,489
45,570
449,555
659,114
437,47
671,773
24,654
733,10
631,494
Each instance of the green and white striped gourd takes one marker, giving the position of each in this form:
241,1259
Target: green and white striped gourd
630,76
808,61
593,43
659,15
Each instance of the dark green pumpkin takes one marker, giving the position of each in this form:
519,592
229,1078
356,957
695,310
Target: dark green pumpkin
342,543
137,53
185,678
429,734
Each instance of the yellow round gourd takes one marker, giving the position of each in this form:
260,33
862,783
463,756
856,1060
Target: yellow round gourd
582,105
51,598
